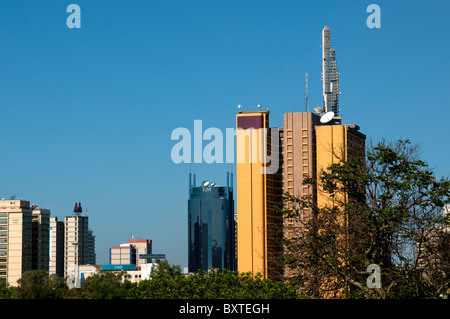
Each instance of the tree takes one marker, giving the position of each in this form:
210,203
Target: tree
386,211
5,291
37,284
212,285
166,282
102,285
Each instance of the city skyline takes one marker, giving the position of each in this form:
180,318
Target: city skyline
88,113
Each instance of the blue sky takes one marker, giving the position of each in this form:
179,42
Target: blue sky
87,114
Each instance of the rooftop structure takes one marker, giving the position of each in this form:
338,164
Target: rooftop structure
330,75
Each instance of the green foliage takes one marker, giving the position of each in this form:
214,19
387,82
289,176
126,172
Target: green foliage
167,282
213,285
36,284
386,210
103,285
5,291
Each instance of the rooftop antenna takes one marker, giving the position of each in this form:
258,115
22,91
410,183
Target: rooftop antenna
319,110
306,91
325,117
77,208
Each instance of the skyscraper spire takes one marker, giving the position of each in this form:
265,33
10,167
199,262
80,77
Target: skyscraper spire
330,75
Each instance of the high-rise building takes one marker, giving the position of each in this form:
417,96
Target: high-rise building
15,238
335,143
211,230
299,151
78,248
259,188
71,242
56,261
76,241
307,147
330,75
299,162
310,147
92,257
41,238
309,144
24,239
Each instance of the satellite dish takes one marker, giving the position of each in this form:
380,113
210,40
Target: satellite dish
319,110
259,106
327,117
239,106
212,184
205,183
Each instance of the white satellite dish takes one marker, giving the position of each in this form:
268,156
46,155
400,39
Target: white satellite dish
205,183
239,106
212,184
259,106
327,117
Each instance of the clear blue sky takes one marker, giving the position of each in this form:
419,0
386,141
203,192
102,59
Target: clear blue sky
87,114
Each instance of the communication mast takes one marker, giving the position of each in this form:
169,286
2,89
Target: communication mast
330,75
306,92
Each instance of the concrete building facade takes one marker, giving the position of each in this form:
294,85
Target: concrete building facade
41,238
24,239
56,260
124,254
307,147
130,253
143,247
79,242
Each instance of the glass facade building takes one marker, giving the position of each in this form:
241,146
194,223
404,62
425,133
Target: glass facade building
211,242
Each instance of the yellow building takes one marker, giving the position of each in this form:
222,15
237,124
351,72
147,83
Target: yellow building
24,237
15,238
306,148
335,143
259,187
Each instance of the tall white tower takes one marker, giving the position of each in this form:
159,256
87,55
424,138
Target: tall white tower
330,75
